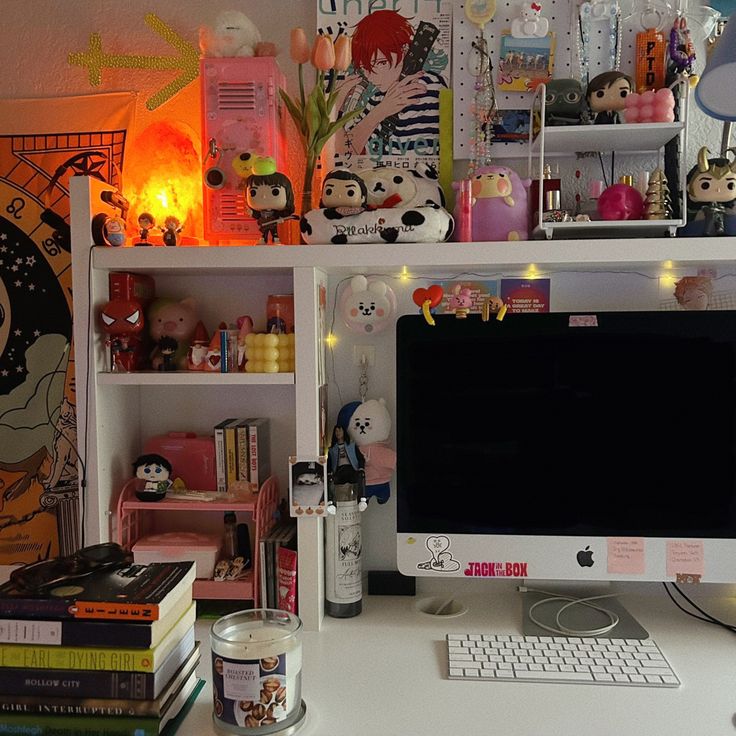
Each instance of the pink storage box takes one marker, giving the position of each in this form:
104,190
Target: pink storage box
192,458
202,549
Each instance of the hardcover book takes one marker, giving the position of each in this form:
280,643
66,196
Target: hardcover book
134,593
97,658
81,633
97,684
43,725
73,705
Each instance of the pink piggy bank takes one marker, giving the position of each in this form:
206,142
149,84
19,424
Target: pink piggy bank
500,204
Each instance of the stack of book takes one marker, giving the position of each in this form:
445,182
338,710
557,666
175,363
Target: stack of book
110,654
242,454
278,567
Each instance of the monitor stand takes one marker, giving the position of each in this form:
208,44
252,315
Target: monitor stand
579,617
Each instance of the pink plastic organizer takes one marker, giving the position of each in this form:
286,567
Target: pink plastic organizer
137,519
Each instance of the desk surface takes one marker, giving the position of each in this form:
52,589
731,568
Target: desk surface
384,673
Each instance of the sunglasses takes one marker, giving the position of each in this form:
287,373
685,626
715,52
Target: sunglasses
38,577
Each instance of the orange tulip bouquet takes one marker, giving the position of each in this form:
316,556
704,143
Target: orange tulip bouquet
312,112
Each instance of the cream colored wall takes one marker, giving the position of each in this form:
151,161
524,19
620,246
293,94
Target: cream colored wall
37,36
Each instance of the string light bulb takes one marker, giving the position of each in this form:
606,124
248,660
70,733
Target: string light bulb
404,275
331,339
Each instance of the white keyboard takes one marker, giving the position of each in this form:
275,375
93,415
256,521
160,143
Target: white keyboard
558,659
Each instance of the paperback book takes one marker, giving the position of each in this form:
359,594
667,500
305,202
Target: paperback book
134,593
73,705
97,658
80,633
42,683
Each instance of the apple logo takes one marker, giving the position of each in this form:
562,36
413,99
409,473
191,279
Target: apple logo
585,557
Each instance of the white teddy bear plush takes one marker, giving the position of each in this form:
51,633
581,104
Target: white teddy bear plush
233,34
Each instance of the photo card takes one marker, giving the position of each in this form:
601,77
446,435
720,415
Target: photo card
307,486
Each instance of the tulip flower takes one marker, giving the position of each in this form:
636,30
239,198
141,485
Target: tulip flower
312,112
323,53
299,47
343,53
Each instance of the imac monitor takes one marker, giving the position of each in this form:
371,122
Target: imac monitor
566,447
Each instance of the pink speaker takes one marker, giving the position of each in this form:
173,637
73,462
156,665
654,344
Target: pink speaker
241,112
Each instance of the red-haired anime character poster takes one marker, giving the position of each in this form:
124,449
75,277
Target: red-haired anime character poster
400,65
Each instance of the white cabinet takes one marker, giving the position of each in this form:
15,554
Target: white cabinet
115,413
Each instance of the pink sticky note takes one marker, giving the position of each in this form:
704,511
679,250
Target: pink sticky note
685,556
626,555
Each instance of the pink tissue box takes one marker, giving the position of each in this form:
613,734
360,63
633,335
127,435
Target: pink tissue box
202,549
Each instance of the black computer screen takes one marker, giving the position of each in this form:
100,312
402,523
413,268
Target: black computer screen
531,426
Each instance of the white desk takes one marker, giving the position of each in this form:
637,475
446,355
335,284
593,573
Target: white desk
384,673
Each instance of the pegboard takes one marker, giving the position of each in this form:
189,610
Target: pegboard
562,15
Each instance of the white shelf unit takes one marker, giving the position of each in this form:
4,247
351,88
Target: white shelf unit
119,408
624,138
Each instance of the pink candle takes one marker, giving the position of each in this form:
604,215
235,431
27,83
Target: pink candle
464,210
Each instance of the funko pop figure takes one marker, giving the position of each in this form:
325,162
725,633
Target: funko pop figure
564,102
711,192
146,222
270,198
345,192
122,322
606,96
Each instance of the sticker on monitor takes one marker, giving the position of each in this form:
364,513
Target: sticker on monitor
307,486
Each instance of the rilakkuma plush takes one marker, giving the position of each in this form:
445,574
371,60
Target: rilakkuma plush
233,34
500,204
369,426
177,320
367,306
389,187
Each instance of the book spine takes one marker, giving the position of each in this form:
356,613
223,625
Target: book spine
78,684
34,608
39,725
99,610
74,633
231,456
220,458
262,573
242,445
76,658
74,706
253,457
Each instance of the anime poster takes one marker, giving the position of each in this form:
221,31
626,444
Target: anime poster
400,67
39,504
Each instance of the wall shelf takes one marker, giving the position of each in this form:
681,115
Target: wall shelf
194,378
622,138
450,257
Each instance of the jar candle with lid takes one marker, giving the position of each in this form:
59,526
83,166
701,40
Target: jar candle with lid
257,673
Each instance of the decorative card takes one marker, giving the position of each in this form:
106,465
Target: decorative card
524,63
307,486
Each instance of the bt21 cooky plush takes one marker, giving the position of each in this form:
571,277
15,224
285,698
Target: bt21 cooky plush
711,195
500,208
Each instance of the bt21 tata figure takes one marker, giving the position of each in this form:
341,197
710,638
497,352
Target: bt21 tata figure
711,195
606,96
270,198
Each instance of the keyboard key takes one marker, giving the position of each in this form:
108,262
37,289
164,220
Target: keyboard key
653,678
621,678
574,677
471,672
603,677
487,673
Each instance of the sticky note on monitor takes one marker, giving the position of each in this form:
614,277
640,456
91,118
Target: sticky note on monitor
626,555
685,556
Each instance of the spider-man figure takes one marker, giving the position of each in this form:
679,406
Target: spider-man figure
122,321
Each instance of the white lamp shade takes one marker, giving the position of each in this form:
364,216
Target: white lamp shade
716,90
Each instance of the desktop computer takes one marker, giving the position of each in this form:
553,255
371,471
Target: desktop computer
569,448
